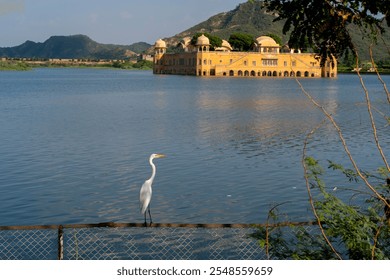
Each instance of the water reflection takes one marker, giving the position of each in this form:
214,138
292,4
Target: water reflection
251,123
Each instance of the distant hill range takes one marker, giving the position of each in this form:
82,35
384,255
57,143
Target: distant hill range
252,19
245,18
73,47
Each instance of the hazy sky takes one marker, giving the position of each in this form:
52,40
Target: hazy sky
105,21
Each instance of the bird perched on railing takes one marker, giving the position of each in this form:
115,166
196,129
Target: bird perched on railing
145,194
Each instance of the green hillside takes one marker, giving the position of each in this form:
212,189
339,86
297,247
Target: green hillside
253,19
246,18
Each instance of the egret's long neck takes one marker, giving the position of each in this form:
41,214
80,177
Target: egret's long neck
153,169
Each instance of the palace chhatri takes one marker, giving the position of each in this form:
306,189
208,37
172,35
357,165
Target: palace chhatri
267,59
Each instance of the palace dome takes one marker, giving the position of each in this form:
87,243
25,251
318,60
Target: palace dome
226,45
266,41
186,41
160,44
203,41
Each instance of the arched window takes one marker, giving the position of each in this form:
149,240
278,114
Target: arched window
275,74
286,74
306,74
239,73
299,74
253,73
231,73
246,73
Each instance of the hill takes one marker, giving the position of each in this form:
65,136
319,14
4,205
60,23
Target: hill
248,18
72,47
251,18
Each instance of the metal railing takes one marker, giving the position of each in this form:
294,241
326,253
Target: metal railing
131,241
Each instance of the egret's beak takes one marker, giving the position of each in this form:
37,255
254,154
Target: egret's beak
160,156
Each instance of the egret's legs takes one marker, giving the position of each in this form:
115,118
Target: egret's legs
150,216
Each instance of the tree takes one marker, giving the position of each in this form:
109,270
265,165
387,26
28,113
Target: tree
355,230
325,24
352,231
241,41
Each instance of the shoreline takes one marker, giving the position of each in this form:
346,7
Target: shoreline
25,64
29,64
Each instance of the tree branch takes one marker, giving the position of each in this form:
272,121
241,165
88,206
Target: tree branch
379,76
344,143
368,102
309,191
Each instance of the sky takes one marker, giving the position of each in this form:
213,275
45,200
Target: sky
105,21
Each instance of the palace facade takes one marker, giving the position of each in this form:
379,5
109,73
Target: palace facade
267,59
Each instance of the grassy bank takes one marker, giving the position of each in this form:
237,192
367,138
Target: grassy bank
140,65
385,69
14,66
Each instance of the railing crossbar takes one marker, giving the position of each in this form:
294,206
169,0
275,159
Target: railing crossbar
153,225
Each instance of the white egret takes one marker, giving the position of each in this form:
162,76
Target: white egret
145,194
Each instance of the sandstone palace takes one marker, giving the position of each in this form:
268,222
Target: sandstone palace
267,59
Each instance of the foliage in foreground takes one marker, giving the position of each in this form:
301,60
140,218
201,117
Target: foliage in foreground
325,25
357,229
353,231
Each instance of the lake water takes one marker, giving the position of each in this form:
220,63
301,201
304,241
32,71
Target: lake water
74,144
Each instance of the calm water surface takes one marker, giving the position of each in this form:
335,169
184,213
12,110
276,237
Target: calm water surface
74,144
